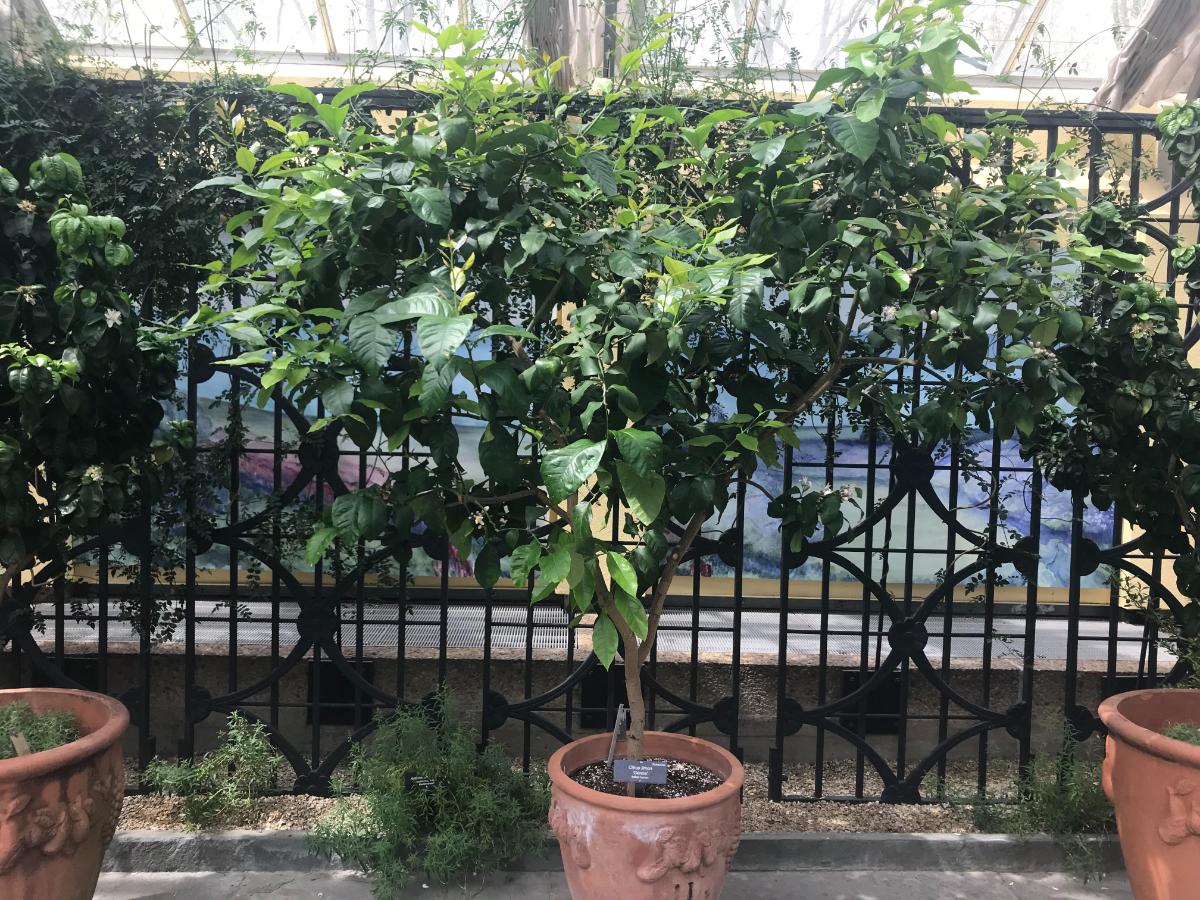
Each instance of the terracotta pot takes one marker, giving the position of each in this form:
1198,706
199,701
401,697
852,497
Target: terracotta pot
59,808
642,849
1154,783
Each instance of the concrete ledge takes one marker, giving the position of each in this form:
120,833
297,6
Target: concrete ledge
286,851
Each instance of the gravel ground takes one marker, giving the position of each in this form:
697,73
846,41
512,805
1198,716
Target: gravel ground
758,813
159,813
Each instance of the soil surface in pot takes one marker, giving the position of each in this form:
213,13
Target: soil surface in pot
684,779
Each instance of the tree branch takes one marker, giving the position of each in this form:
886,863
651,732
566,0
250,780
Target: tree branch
659,597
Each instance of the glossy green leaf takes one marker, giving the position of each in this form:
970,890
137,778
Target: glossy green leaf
604,640
523,561
600,167
316,546
622,573
856,137
567,468
439,337
643,450
431,204
360,514
371,342
633,612
869,104
487,566
643,493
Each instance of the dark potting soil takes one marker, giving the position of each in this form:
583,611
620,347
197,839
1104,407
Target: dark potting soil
684,779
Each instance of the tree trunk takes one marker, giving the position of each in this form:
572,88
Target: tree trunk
637,705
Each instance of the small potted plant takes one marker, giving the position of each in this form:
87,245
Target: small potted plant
62,782
81,397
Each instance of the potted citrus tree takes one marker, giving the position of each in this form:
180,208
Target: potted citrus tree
627,306
81,401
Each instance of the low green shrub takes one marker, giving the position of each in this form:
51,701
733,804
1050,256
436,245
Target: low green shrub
42,731
1183,731
225,780
468,814
1061,795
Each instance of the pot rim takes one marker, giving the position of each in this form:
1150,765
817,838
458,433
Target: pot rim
1152,742
44,762
731,786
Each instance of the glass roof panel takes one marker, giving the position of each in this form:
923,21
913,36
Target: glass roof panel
1067,37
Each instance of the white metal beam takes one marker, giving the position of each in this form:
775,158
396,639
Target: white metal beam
326,29
1032,17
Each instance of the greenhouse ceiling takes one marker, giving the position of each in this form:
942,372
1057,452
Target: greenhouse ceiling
1062,47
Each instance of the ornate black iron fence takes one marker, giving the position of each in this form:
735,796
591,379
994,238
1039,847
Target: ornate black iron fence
968,619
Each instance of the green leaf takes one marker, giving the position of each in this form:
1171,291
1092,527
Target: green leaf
498,454
622,573
766,152
869,104
349,92
431,204
555,566
523,561
337,395
1070,325
436,382
856,137
542,588
8,183
604,640
319,543
454,132
644,494
245,159
533,240
370,342
298,92
643,450
600,168
361,514
218,181
631,610
487,566
270,164
1045,332
567,468
625,264
746,300
986,315
693,495
505,331
811,109
440,337
426,300
831,77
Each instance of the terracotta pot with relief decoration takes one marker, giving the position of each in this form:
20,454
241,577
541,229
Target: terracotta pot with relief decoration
59,807
637,848
1154,784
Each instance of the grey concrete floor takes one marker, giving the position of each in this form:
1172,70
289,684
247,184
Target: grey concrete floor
805,885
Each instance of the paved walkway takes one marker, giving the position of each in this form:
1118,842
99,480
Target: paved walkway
806,885
759,632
